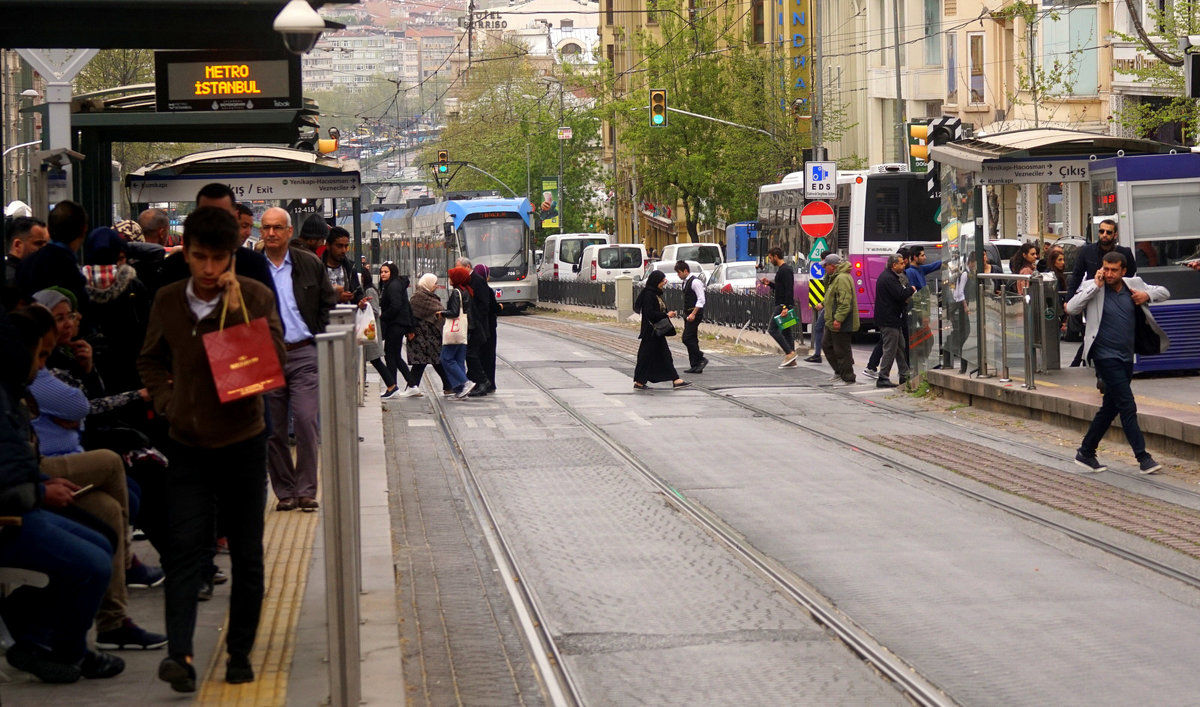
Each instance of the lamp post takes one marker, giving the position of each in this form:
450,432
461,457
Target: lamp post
561,187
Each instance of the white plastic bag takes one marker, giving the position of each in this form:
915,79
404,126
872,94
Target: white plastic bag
364,326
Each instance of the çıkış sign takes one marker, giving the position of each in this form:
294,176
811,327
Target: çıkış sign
148,189
226,80
1033,172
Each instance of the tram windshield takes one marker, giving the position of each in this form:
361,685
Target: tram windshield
498,243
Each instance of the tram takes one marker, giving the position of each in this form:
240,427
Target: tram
1153,199
876,211
491,231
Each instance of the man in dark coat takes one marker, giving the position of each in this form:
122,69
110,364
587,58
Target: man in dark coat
342,276
478,328
1090,259
487,308
892,295
57,264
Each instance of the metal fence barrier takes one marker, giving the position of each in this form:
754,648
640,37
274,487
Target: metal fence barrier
734,309
337,369
1034,313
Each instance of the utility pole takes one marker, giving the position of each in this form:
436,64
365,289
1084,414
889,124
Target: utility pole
562,190
818,117
901,133
1032,70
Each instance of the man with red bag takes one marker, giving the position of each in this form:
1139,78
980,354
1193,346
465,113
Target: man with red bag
218,450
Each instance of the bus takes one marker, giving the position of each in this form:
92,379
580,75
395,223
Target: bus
876,211
429,237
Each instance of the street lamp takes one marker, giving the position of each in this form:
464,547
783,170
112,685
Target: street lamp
561,187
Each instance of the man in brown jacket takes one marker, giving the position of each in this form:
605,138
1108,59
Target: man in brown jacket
218,451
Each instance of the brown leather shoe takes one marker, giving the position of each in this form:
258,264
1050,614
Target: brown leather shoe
308,504
286,504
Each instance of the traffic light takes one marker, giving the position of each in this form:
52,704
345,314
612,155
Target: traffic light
658,108
918,144
443,161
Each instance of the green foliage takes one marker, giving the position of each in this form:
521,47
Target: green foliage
508,126
1165,74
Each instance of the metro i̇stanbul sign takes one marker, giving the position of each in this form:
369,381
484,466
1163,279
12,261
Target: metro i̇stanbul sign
234,80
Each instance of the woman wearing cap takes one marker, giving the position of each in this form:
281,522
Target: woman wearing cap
654,362
425,346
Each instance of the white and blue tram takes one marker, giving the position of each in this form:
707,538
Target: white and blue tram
1154,199
490,231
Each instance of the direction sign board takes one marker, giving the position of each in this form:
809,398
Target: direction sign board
819,246
816,219
820,180
816,271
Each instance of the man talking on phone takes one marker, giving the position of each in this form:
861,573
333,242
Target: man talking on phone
218,451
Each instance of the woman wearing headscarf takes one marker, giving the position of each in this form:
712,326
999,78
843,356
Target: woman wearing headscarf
454,353
372,350
120,308
397,324
654,362
487,308
425,347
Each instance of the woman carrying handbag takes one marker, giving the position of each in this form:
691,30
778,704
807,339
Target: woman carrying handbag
654,362
456,322
396,319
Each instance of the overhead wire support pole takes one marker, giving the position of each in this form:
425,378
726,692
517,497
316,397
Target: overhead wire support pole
901,131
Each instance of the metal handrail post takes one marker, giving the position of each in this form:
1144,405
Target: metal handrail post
981,331
338,422
1031,322
1004,338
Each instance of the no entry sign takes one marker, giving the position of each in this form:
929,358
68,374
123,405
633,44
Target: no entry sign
816,219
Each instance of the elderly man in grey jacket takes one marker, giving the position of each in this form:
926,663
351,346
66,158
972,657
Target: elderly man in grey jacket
1110,303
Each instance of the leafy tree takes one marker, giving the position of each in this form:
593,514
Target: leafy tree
508,126
1179,19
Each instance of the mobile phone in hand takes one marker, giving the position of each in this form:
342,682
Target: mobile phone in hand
82,490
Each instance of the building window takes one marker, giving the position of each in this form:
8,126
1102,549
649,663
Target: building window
566,24
757,19
651,12
1069,38
608,12
933,26
571,49
975,67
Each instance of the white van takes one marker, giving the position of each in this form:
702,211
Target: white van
603,263
707,254
563,251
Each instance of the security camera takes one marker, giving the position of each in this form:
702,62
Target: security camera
300,26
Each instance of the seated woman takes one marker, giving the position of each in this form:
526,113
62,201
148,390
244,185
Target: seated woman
62,409
76,559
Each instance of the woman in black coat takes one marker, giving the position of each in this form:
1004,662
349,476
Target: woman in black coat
654,362
396,322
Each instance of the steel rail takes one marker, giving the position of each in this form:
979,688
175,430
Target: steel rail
891,666
560,686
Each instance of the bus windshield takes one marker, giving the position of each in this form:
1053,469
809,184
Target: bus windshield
498,243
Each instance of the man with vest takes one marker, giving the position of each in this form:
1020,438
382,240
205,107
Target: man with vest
693,304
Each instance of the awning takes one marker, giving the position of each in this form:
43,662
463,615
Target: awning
1038,155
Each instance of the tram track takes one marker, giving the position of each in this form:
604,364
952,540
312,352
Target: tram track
1033,481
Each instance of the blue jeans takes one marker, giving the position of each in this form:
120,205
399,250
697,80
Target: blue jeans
78,561
454,361
818,329
1118,400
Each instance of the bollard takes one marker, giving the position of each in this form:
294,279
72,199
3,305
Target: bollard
339,473
347,396
624,288
981,330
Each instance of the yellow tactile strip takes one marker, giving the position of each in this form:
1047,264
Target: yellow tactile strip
287,553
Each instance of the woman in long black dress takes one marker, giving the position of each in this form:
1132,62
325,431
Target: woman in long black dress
654,362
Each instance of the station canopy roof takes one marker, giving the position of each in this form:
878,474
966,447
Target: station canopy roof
1040,143
144,24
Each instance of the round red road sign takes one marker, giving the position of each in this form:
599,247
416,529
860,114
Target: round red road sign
816,219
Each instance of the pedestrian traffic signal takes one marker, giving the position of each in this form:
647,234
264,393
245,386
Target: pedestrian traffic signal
658,107
443,161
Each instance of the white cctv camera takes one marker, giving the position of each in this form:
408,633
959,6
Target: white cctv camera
300,26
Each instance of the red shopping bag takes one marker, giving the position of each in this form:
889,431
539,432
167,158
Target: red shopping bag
243,358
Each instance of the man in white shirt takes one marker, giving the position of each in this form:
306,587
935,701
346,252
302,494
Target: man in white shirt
693,304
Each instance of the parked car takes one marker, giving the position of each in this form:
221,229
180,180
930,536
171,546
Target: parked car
1006,248
1070,248
708,255
563,251
737,276
668,268
603,263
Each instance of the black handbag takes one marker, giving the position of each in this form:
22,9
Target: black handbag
1146,341
664,327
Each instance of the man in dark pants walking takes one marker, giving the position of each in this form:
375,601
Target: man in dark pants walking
1089,261
1110,303
785,300
892,295
219,451
693,304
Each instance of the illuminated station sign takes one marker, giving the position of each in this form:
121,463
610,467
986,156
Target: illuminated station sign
226,81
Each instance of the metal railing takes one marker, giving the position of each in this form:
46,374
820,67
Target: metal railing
1038,302
749,311
338,372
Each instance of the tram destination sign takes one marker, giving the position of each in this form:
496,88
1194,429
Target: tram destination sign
234,80
1034,171
149,188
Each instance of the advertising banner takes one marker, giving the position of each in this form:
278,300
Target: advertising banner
547,207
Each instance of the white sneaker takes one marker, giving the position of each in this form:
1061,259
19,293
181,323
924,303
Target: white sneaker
834,377
413,392
870,373
841,382
462,394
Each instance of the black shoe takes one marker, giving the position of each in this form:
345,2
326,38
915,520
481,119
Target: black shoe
97,666
700,366
1089,461
238,670
884,383
37,662
178,671
815,358
206,590
480,390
